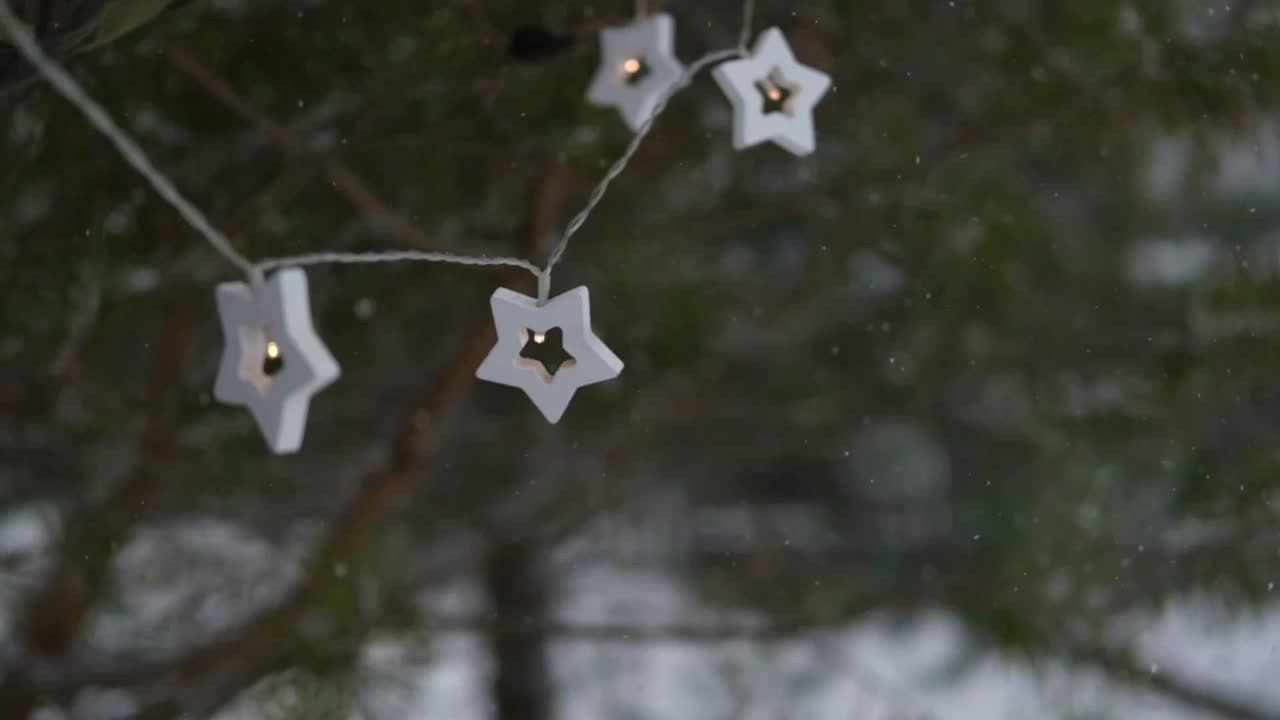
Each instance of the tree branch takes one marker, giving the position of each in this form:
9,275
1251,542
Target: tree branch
220,664
1125,668
55,613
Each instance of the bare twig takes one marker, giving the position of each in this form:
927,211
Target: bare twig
344,179
78,337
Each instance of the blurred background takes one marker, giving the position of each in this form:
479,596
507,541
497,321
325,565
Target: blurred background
971,414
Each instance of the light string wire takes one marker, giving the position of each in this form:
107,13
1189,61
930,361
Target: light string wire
97,116
544,279
748,18
94,113
134,155
351,258
744,35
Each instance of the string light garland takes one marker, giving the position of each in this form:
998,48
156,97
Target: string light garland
273,360
519,319
773,95
637,67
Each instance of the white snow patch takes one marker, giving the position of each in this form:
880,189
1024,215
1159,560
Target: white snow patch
1171,262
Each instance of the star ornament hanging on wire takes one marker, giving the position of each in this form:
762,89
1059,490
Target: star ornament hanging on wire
637,66
522,325
773,95
273,361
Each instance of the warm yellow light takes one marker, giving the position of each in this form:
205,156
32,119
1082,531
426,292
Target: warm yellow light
539,337
273,350
774,93
631,66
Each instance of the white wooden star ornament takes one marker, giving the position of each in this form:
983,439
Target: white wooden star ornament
637,66
273,361
773,95
519,320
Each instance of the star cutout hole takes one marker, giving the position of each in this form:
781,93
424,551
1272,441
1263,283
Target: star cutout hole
777,93
261,359
634,70
544,353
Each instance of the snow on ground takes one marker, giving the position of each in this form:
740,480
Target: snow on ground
873,670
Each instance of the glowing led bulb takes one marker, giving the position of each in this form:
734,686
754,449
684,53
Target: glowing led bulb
254,372
773,95
637,66
539,337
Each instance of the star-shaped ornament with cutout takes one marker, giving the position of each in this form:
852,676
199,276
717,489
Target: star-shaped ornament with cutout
637,66
526,354
773,95
273,361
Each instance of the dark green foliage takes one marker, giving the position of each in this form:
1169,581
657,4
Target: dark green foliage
959,251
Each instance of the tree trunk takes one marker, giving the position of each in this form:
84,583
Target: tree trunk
518,592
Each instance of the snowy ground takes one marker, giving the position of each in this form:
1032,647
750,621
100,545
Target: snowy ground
874,670
869,671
